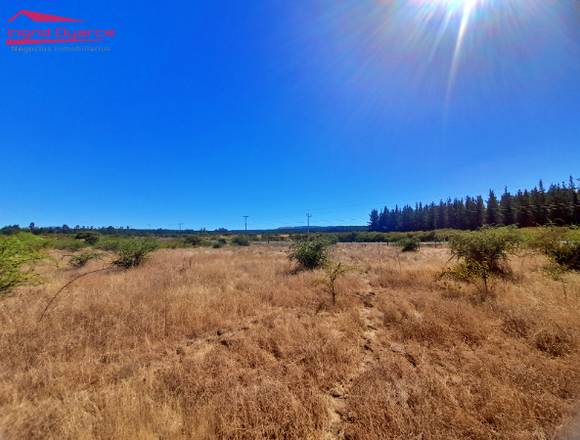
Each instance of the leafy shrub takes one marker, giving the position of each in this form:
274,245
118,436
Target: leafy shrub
17,253
241,240
132,253
88,237
310,254
219,243
566,255
83,258
192,240
554,243
67,244
410,244
482,255
110,244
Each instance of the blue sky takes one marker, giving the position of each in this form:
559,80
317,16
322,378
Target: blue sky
203,112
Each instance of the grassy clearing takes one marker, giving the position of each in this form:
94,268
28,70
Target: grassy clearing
230,343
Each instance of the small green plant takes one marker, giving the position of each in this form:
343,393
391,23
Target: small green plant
482,255
17,254
310,254
410,244
81,260
241,240
333,271
132,253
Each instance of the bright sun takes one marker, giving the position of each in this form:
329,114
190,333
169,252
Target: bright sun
458,5
464,10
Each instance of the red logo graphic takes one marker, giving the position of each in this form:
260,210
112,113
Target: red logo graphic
54,35
44,18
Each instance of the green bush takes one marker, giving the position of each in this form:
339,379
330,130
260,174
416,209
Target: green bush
241,240
88,237
132,253
310,254
565,254
482,255
192,240
410,244
17,254
83,258
110,244
67,244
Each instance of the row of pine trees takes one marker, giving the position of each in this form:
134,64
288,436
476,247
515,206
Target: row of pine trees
559,205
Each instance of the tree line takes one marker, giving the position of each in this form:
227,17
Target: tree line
558,205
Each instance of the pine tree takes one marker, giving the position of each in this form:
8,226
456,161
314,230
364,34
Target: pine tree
479,214
538,206
374,220
524,213
506,207
493,215
442,217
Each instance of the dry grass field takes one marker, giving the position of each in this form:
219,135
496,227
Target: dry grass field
231,344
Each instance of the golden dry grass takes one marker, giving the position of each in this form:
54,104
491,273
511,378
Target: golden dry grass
231,344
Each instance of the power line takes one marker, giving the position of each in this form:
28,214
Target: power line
246,222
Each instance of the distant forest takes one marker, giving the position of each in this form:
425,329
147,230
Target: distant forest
558,205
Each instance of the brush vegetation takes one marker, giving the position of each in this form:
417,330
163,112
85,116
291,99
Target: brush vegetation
232,343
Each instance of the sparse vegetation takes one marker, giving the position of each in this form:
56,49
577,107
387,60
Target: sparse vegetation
226,345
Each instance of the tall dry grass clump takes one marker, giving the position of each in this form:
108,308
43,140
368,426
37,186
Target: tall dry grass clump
231,344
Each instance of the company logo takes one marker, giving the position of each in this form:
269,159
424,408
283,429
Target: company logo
59,34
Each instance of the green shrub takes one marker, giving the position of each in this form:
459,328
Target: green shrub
310,254
192,240
410,244
83,258
110,244
88,237
67,244
241,240
132,253
17,253
565,254
482,255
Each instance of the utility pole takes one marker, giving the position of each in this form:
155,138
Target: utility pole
180,225
246,222
308,217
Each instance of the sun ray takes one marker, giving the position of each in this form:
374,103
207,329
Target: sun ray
467,11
